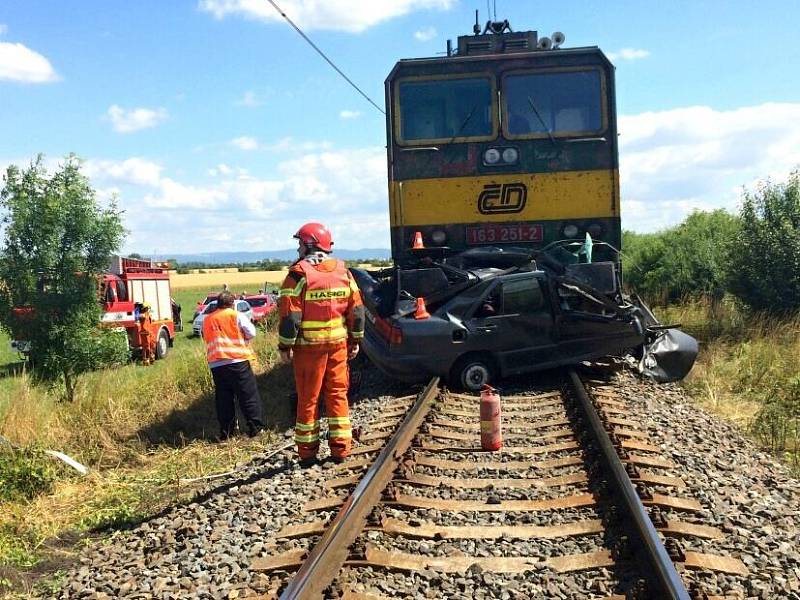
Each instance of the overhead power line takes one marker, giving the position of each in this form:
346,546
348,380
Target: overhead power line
322,54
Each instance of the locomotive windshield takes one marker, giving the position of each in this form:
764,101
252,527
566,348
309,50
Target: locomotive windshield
558,103
446,109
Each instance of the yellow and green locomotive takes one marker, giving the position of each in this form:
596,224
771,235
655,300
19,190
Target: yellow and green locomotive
508,140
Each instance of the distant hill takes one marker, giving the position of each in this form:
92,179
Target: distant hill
246,257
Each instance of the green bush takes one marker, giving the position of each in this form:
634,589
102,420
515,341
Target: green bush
765,260
689,260
25,473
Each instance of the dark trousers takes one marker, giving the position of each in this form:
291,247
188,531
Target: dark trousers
237,381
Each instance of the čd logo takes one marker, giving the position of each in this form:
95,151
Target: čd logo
505,198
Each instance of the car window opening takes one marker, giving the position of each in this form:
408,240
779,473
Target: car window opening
522,296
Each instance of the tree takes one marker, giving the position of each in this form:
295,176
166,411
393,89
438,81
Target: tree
57,240
765,260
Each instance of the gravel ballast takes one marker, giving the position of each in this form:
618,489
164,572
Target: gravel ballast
204,549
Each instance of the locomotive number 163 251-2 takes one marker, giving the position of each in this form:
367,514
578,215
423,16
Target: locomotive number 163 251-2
491,233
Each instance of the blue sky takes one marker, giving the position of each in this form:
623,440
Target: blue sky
218,128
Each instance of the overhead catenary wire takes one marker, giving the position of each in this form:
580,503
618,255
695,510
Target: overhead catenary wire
328,60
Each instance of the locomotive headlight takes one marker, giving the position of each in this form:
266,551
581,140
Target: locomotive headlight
491,156
510,155
595,230
438,237
571,231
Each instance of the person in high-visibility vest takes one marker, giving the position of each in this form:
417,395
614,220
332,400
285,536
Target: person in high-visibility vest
227,334
146,341
321,327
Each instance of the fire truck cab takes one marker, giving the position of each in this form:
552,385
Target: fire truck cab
128,285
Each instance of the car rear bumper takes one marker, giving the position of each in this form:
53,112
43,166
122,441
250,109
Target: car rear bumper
405,367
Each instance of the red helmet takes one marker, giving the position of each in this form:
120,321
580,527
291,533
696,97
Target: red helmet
315,234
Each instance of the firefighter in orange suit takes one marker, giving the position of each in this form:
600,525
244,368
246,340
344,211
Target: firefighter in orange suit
146,341
321,327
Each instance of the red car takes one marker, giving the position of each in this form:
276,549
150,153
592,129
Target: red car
201,306
262,304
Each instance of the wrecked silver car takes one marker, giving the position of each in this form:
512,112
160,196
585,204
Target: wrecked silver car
483,314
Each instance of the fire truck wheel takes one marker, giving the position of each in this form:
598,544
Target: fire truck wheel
162,345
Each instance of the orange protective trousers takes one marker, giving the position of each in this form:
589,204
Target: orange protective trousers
322,369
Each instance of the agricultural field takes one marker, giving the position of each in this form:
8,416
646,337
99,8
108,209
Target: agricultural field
250,281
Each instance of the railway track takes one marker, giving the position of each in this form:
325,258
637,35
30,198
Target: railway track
420,498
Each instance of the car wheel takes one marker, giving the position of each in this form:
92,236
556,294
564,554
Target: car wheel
162,344
472,372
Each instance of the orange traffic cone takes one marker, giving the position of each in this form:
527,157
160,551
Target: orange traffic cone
421,312
417,245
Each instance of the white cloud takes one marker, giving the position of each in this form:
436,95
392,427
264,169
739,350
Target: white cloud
344,188
337,15
20,63
349,114
676,161
125,120
342,181
174,194
425,35
245,142
134,171
290,144
220,169
250,100
628,54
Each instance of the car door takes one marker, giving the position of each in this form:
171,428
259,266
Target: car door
513,321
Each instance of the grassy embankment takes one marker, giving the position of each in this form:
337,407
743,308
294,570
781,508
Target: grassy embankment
139,429
748,371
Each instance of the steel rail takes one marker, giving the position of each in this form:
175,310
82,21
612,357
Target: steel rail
330,553
664,575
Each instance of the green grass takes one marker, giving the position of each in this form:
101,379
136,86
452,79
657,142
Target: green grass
140,429
747,371
7,355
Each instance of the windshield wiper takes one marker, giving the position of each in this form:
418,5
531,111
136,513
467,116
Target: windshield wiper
464,124
541,120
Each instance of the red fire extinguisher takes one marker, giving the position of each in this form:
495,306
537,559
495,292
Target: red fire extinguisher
491,419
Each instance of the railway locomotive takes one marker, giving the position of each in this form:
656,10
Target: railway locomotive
507,140
504,218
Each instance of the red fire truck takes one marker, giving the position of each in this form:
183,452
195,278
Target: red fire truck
129,284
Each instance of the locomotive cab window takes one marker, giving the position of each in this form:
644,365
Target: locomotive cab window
439,110
561,103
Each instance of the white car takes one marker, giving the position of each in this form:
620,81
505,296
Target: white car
241,305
